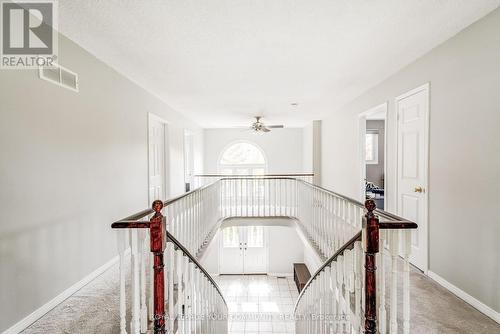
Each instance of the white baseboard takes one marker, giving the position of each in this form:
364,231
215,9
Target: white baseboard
480,306
280,274
40,312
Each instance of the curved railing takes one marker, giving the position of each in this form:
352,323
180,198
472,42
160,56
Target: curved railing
347,284
347,294
315,311
187,300
201,306
202,179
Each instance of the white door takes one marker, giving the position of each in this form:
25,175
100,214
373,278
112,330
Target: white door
232,251
255,250
156,156
413,113
244,250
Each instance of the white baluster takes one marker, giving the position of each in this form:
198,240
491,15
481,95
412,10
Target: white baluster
123,244
406,280
180,291
151,277
143,255
188,295
382,317
394,247
358,273
340,280
335,299
170,282
135,325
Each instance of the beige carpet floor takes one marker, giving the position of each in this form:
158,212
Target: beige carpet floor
94,309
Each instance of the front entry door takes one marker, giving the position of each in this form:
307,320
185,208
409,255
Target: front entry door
412,112
244,250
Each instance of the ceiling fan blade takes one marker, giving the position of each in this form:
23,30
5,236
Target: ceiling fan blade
265,129
275,126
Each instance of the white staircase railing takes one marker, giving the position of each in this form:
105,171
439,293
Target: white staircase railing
348,294
189,299
180,301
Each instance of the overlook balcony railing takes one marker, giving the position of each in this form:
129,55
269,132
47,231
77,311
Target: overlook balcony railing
203,179
345,234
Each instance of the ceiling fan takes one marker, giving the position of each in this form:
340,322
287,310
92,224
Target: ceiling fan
259,126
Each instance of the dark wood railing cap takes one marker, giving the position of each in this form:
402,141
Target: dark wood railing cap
370,205
157,206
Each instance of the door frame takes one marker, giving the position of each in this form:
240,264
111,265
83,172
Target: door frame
426,88
166,183
383,107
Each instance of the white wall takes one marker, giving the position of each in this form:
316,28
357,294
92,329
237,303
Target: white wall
285,249
464,74
71,164
307,147
199,143
312,149
282,147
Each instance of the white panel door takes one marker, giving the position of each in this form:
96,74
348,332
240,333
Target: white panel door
232,252
413,112
255,248
157,166
244,250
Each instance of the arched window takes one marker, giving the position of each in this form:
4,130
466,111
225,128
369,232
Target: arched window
242,158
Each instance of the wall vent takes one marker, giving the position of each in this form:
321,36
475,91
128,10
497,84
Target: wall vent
60,76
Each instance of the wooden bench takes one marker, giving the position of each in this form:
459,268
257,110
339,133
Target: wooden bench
300,275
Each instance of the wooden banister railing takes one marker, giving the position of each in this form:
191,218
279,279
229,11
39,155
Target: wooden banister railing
343,297
188,297
352,238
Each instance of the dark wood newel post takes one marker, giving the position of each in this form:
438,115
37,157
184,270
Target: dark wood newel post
371,223
158,242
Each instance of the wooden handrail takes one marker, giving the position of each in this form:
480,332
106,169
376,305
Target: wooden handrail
392,218
157,245
193,259
372,225
144,213
252,175
348,245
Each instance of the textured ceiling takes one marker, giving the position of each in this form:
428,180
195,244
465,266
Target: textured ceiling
222,61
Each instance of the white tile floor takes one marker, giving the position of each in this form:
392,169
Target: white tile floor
259,303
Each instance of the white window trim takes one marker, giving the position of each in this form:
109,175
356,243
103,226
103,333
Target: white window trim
221,166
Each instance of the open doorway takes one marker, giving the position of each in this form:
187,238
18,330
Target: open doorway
373,124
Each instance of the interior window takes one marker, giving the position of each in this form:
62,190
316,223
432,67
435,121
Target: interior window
243,158
371,156
230,237
255,236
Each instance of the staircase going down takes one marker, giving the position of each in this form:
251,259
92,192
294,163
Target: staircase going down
356,290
